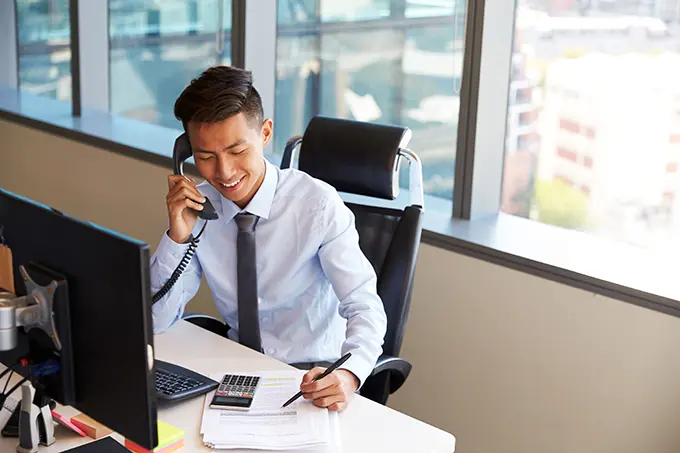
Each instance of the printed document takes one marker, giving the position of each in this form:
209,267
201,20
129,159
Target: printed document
268,426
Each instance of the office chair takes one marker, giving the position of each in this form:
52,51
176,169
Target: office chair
363,159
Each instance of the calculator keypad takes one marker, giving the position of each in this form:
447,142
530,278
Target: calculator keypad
238,385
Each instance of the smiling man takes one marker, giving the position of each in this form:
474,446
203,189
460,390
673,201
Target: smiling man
313,294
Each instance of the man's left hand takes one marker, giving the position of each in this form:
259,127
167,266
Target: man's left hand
334,391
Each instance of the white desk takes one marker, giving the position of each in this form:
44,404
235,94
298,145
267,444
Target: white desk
365,426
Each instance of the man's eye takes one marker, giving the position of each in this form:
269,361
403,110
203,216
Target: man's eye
205,158
240,152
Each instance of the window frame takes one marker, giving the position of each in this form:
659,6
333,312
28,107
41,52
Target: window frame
474,225
9,53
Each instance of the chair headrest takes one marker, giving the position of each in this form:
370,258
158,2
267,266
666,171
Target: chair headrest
354,157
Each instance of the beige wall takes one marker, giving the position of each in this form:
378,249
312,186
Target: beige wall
505,361
118,192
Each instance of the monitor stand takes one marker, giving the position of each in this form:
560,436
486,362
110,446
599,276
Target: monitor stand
44,350
35,332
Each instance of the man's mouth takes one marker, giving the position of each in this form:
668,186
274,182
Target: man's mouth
233,185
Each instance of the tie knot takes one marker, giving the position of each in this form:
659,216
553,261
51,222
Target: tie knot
246,222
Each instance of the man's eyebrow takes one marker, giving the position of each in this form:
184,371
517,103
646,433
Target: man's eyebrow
238,142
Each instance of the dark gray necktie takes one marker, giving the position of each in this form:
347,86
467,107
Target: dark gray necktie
248,313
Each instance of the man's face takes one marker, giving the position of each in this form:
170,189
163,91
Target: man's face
229,155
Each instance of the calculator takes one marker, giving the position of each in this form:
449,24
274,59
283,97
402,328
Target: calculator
235,391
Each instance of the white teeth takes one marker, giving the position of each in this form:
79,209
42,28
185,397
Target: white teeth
232,184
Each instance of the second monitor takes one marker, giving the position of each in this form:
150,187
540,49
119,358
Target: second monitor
110,311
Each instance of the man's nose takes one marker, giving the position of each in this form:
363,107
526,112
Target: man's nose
225,170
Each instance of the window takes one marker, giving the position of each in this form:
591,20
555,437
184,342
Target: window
390,62
603,81
156,48
571,115
44,47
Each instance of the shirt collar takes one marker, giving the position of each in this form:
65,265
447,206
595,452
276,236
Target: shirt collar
262,201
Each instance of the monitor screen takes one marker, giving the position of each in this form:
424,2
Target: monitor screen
109,306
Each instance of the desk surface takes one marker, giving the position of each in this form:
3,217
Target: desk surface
365,426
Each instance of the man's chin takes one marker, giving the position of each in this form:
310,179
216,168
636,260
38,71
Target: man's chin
231,195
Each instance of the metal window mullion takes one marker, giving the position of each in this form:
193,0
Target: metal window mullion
238,33
76,105
260,50
9,50
465,144
89,55
316,92
483,108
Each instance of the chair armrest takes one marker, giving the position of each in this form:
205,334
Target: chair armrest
398,368
209,323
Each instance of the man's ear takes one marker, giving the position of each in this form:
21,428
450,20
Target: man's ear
267,131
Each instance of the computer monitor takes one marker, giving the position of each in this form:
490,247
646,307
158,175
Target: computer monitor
109,300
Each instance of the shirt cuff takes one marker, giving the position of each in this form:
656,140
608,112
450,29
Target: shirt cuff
169,252
358,366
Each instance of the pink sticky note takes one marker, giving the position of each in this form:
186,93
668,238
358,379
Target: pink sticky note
67,423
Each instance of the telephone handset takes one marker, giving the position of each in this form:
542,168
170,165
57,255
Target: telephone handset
180,153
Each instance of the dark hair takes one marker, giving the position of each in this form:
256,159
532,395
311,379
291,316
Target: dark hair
219,93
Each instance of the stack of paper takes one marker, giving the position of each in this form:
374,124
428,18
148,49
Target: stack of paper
268,426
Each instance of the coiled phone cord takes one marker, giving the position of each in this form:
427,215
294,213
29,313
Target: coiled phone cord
180,267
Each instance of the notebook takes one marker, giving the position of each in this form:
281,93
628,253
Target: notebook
105,445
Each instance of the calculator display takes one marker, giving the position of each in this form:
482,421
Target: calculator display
231,400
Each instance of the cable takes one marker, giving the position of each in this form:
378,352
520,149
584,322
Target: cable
7,370
8,379
11,372
16,386
180,267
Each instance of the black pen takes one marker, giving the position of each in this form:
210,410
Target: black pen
328,371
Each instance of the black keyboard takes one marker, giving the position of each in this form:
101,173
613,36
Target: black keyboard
175,383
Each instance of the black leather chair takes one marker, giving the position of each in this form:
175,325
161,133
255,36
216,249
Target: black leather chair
363,159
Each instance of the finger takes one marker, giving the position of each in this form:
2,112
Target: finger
177,181
331,379
183,185
185,192
328,391
192,204
174,179
177,208
338,407
180,199
312,374
329,400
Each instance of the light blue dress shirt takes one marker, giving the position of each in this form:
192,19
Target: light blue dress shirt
317,291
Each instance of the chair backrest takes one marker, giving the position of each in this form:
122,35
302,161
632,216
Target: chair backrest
363,159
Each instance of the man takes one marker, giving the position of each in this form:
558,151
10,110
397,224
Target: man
316,291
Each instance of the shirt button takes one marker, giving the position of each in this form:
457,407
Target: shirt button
269,351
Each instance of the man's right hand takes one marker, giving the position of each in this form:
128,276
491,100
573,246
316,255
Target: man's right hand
182,194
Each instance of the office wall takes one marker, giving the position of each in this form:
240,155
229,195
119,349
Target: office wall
109,189
505,361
